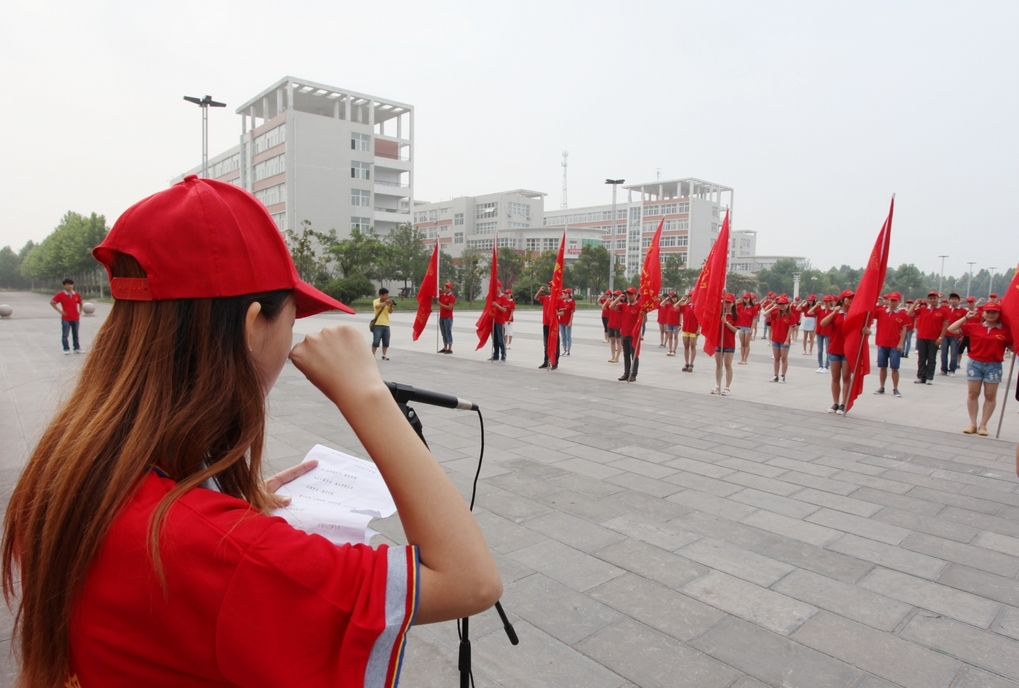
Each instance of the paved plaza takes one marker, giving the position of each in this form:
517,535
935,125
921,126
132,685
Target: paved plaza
652,534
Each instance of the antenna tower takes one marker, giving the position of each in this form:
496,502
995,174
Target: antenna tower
565,155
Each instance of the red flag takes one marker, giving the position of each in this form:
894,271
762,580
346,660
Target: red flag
864,302
428,291
487,320
552,305
650,284
1010,307
710,289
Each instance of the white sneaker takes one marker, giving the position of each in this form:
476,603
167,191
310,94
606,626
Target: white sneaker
714,390
782,380
821,370
67,353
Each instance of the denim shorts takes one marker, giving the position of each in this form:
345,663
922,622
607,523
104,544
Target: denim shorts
380,335
978,371
744,330
836,358
672,328
728,351
779,345
888,355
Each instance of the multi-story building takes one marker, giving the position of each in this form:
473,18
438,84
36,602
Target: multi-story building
516,216
330,156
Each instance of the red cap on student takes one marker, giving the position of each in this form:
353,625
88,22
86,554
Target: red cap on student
617,293
812,297
567,290
782,300
631,290
971,299
608,292
894,296
205,239
993,306
747,295
992,295
932,293
828,297
449,284
730,298
846,294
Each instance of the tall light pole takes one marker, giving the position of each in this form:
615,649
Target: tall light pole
970,282
990,282
205,103
941,280
612,244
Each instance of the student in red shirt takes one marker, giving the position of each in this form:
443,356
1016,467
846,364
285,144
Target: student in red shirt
780,319
909,330
549,318
603,301
446,302
745,313
500,311
615,339
689,330
632,314
795,309
930,319
822,333
950,340
68,304
841,370
891,337
566,310
672,318
809,322
723,356
663,318
988,340
508,327
137,542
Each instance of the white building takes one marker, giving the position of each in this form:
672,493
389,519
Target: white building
334,157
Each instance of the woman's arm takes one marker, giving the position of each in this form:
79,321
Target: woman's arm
458,575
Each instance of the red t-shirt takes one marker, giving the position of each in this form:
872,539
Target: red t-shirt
690,323
446,302
663,312
567,307
615,316
546,317
889,326
498,316
512,307
672,315
69,304
796,313
953,315
630,315
929,321
249,601
605,301
744,315
987,345
780,325
837,343
728,336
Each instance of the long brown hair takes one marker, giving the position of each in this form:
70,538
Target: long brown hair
168,384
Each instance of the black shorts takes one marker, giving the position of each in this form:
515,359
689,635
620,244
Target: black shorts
614,332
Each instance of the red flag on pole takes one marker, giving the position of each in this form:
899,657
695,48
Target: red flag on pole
1010,307
650,284
428,291
487,319
710,289
861,311
552,305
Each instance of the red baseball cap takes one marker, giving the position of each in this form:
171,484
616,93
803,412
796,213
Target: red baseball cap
204,239
932,293
894,296
782,300
846,293
812,297
992,295
971,299
608,291
617,293
631,290
993,306
730,298
828,297
567,290
449,284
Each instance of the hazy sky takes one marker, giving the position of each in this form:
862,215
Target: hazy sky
814,112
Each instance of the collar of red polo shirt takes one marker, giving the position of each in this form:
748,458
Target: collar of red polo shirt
203,239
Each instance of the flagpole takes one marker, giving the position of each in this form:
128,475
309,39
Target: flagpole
438,266
1008,388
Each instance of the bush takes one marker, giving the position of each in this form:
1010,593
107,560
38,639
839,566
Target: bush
350,288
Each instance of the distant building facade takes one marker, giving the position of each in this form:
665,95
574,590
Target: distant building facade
334,157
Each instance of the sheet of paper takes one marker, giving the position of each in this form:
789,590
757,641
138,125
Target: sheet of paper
338,498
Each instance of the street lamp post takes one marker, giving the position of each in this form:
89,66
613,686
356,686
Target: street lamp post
612,244
990,282
205,103
941,279
969,283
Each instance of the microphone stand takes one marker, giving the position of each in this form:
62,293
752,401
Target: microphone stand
464,659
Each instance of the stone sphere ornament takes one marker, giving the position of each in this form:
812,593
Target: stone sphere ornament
5,310
88,308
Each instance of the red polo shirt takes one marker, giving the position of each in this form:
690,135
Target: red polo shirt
605,301
889,326
69,304
744,315
567,306
672,315
615,316
631,315
512,307
837,343
446,302
780,325
987,344
546,317
249,601
690,323
929,321
953,315
728,336
499,316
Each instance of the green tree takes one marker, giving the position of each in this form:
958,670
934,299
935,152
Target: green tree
511,266
348,289
906,279
779,278
472,271
67,252
361,253
305,247
591,271
10,269
738,284
672,273
448,271
408,258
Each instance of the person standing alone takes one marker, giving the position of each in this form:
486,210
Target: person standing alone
380,334
446,302
68,304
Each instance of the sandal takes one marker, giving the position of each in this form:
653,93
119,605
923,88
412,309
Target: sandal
971,430
725,392
982,431
714,390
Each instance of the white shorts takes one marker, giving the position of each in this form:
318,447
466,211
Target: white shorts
507,330
809,324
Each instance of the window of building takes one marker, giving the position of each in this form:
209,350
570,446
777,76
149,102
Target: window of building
480,244
682,258
360,142
362,224
273,194
224,167
360,170
550,244
620,243
683,208
652,210
458,219
714,211
281,220
635,213
270,139
433,215
359,197
668,241
521,209
519,225
485,227
444,211
714,226
458,237
682,241
650,226
669,209
271,167
645,242
431,232
486,210
507,243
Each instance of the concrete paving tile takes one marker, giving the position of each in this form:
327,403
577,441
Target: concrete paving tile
998,542
654,660
848,523
535,469
758,605
1008,497
708,470
560,611
591,453
591,469
757,482
772,502
888,556
926,524
935,597
702,483
808,467
640,483
1007,623
853,465
523,485
869,681
646,505
585,485
969,503
710,504
829,500
981,583
513,507
431,663
878,653
968,555
736,561
773,659
656,606
652,563
571,567
839,487
755,467
981,521
846,600
573,531
831,564
877,483
723,529
509,569
975,678
539,661
897,501
791,527
646,468
582,506
984,649
504,535
644,529
923,481
644,454
749,682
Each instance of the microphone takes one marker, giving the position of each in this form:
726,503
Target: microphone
405,393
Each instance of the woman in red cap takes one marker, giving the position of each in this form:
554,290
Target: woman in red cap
988,340
723,356
780,319
809,323
615,323
746,312
604,300
841,373
138,541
